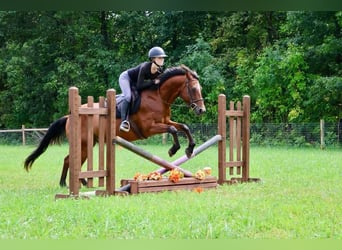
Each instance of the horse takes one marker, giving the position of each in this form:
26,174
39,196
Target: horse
153,117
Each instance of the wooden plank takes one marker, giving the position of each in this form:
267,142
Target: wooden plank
92,174
165,182
234,113
166,185
177,187
93,111
234,164
20,130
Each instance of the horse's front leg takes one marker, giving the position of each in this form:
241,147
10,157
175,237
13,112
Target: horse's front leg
173,150
184,128
160,128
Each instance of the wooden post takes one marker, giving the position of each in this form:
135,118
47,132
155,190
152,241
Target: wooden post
321,123
245,137
238,138
221,129
110,147
232,134
101,141
75,141
90,141
23,134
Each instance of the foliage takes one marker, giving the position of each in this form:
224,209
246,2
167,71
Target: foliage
288,62
198,57
281,75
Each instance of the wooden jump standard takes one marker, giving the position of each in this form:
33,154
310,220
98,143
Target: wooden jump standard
239,135
106,156
239,128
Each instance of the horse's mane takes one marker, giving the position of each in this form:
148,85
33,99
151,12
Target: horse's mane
175,71
171,72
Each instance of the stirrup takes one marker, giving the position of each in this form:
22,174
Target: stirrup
125,126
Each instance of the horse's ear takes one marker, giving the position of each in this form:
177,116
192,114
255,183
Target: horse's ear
186,68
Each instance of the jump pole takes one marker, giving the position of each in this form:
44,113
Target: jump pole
196,152
180,160
155,159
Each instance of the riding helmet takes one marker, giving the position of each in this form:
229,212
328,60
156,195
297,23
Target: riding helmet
156,52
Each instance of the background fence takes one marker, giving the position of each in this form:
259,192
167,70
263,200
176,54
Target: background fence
294,134
23,135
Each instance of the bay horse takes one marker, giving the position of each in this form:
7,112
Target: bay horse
153,117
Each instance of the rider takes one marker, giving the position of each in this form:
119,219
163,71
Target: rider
139,76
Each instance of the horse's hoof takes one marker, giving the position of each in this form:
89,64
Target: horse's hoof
84,182
188,153
62,184
171,153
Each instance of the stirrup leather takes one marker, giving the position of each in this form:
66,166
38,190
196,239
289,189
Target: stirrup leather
125,126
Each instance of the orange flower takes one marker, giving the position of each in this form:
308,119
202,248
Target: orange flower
198,189
207,171
175,175
136,176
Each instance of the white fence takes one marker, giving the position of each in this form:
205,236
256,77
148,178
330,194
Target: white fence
23,131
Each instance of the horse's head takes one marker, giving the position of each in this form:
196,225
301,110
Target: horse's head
192,92
184,83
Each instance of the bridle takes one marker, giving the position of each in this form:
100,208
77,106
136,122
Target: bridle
193,101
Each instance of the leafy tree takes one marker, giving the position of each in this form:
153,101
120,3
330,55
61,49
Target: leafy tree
280,82
288,62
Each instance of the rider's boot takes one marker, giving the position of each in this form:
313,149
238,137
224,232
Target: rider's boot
124,126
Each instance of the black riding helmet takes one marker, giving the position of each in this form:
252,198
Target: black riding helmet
156,52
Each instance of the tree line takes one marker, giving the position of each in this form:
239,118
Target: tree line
289,62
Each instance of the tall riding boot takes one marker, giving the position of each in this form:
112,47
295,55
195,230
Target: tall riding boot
124,126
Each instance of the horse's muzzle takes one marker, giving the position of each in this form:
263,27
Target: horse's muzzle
197,109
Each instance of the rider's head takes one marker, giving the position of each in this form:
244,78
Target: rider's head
157,55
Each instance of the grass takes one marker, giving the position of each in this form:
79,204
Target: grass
299,198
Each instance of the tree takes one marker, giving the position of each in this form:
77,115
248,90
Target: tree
281,83
199,58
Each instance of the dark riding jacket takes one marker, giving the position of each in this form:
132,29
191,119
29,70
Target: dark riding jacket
141,76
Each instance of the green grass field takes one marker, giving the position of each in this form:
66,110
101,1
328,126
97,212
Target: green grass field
300,197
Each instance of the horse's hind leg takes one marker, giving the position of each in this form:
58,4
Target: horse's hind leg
62,181
83,159
65,169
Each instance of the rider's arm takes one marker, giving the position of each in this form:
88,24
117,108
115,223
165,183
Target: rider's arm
144,72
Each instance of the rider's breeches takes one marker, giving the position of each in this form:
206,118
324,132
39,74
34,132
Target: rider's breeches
125,85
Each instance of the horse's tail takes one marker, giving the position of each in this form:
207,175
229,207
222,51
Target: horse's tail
54,135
